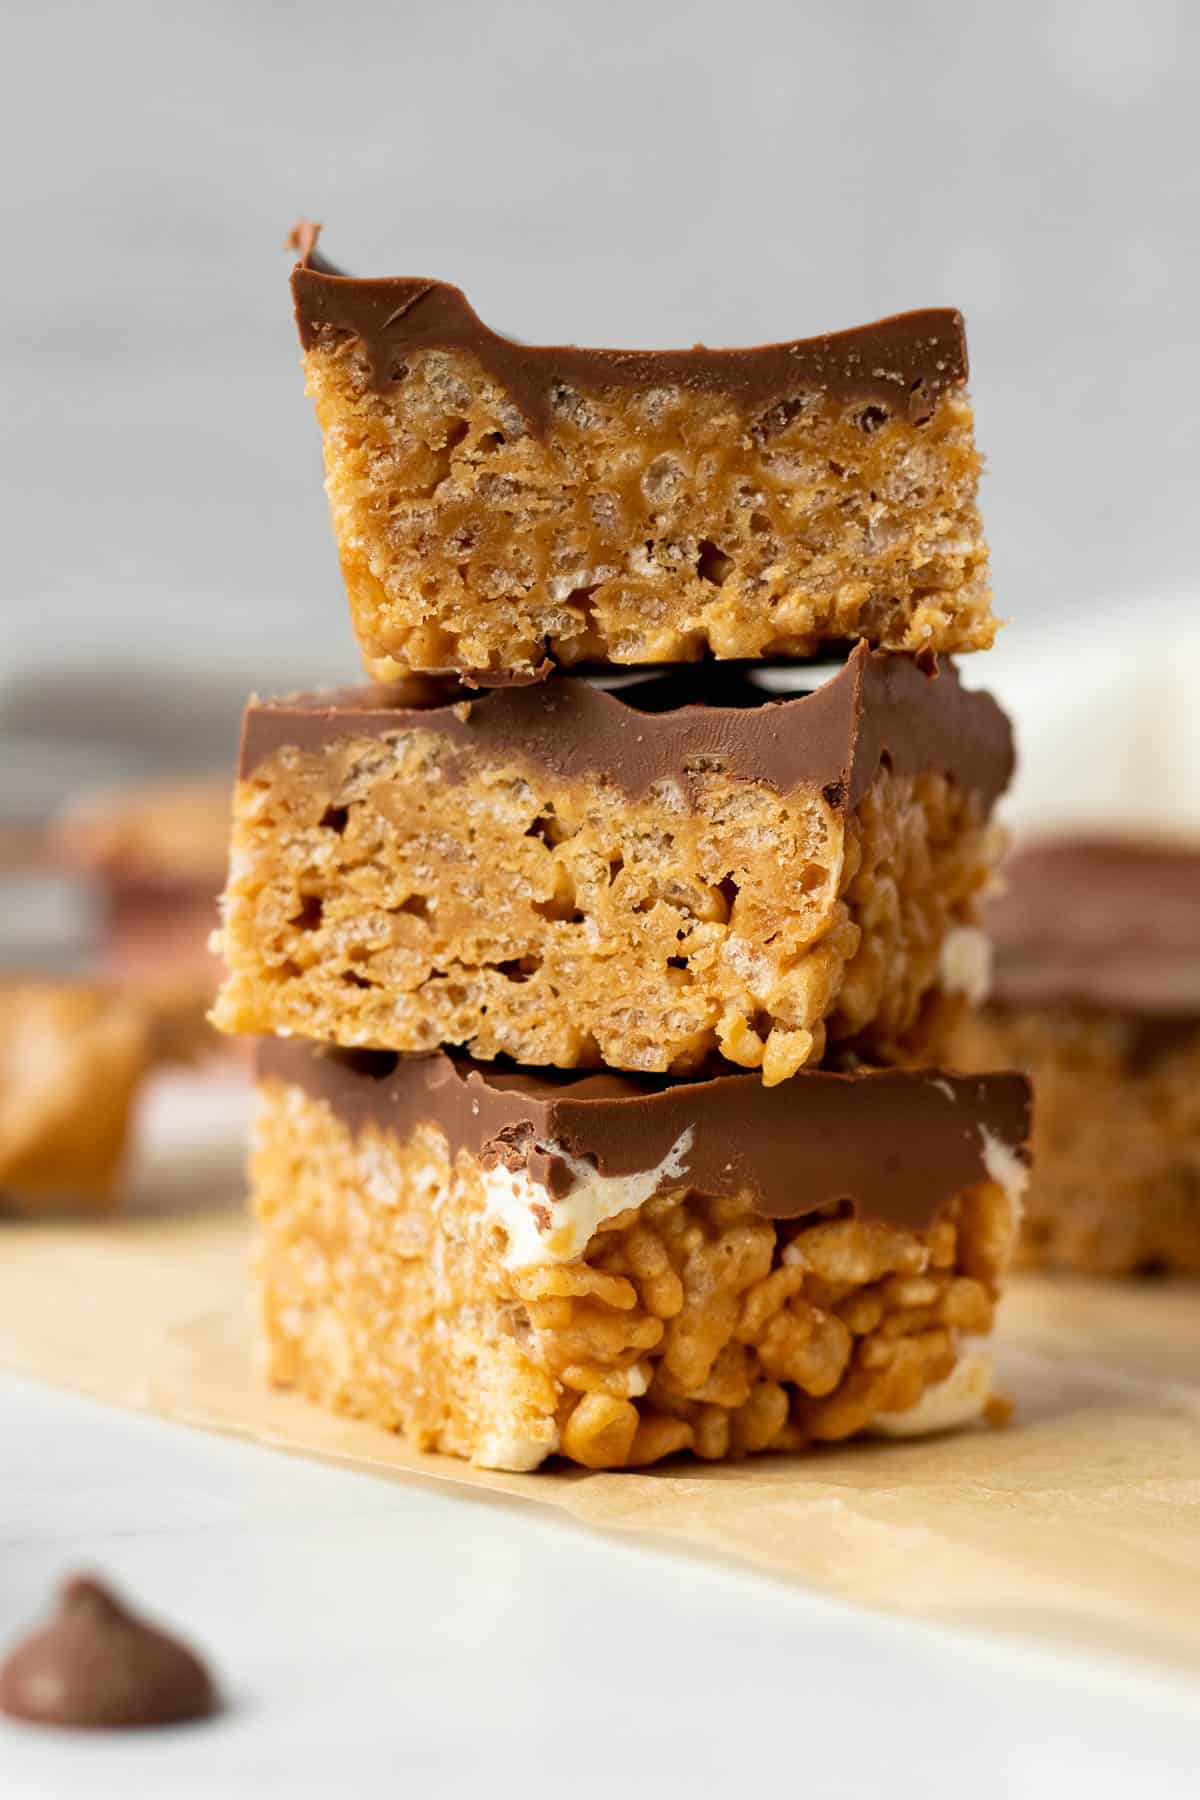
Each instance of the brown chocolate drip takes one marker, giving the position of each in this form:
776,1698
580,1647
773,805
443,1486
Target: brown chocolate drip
893,1143
98,1666
900,363
879,706
1105,926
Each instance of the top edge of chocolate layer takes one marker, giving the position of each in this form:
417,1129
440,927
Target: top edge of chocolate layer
1100,924
901,363
895,1144
913,713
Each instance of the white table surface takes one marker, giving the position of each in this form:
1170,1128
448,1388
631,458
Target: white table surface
369,1633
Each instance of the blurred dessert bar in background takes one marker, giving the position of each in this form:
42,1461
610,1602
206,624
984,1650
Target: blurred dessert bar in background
156,852
580,877
1096,994
505,1264
501,508
114,816
73,1057
112,853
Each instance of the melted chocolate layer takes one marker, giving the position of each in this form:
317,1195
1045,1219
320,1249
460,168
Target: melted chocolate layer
879,706
901,363
1104,926
894,1143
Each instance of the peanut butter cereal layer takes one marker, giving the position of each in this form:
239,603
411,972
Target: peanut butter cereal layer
575,878
502,508
1097,996
507,1266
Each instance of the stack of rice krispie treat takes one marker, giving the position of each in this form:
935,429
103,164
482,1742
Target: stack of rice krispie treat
603,952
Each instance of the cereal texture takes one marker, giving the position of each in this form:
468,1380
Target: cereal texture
398,895
650,526
689,1324
1116,1135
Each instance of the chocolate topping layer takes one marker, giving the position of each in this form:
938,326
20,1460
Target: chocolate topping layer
1104,926
894,1143
902,363
878,706
97,1665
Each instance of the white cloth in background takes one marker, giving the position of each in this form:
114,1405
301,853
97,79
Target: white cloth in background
1106,711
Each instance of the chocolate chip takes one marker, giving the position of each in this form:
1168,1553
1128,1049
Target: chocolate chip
98,1666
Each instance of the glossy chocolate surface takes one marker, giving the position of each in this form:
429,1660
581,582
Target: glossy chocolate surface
901,364
895,1144
913,713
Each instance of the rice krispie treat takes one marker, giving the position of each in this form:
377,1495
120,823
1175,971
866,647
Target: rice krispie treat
157,851
509,1265
163,837
502,508
72,1059
1096,995
575,877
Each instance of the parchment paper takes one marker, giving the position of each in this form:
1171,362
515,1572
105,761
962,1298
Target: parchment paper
1079,1524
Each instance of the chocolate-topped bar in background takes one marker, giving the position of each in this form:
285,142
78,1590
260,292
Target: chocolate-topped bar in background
502,508
505,1265
157,853
1096,994
572,876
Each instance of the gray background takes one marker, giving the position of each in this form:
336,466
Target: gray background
631,173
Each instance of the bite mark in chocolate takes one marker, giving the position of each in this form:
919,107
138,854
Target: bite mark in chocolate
896,365
97,1666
